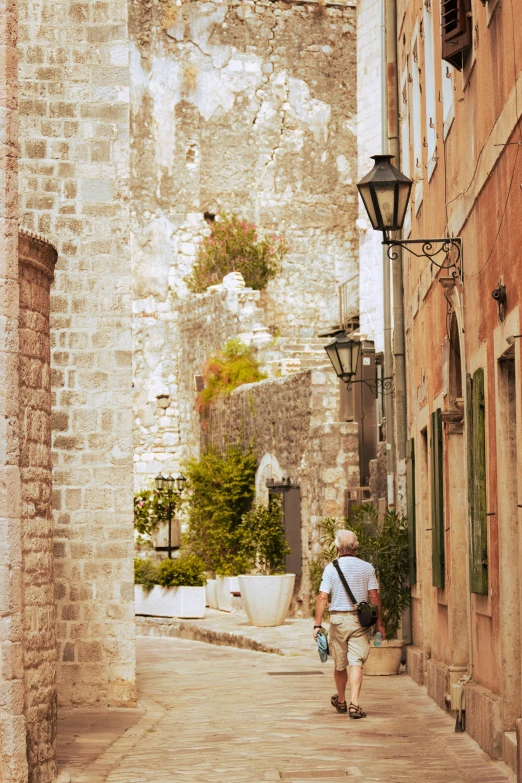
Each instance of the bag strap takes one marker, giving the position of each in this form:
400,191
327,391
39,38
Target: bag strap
346,586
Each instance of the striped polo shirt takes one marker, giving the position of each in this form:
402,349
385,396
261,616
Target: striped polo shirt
360,576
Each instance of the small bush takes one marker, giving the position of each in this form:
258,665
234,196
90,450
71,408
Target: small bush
187,570
222,488
145,573
263,538
232,367
234,246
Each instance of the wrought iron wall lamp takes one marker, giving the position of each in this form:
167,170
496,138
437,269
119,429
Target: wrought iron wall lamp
343,353
385,192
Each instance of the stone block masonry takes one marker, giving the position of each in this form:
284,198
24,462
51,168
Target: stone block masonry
247,106
74,177
292,425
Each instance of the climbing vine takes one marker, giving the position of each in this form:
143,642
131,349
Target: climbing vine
230,368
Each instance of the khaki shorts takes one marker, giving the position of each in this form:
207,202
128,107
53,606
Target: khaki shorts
349,641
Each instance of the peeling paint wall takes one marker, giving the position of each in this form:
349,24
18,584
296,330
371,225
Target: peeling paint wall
246,107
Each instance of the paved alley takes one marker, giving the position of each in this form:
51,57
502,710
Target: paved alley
222,715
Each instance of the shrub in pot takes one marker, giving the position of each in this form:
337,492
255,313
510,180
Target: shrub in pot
222,488
267,594
172,588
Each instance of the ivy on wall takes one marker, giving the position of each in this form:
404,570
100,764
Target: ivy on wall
232,367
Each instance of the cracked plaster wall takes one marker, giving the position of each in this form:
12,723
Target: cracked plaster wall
247,107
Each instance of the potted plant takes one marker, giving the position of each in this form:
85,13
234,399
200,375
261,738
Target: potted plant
384,543
222,488
267,594
172,588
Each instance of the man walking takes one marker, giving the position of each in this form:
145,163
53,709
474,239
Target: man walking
349,641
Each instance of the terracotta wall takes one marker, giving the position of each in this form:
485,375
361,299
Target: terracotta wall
470,188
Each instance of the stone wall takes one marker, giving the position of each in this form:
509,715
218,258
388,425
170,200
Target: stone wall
369,142
247,106
37,261
13,759
292,424
74,143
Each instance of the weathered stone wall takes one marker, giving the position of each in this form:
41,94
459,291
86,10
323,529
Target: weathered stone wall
247,106
13,759
37,261
369,142
294,421
74,142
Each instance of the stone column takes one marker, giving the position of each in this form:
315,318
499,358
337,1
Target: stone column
37,260
13,763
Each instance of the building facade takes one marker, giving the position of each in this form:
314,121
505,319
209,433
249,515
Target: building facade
460,104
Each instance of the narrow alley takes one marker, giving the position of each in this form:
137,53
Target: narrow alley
222,715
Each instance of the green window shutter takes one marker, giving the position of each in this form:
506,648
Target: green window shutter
437,498
478,537
412,528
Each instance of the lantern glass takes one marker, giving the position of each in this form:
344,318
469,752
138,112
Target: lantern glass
385,192
180,483
343,352
160,482
169,481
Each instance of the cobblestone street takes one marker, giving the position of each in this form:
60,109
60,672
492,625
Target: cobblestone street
222,715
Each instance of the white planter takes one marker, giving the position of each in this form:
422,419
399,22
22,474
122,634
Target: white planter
225,586
186,602
266,599
384,660
211,594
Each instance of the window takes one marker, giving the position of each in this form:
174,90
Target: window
437,501
448,108
416,124
456,31
477,484
429,80
412,527
404,122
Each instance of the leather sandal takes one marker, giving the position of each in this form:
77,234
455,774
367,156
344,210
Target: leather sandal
340,706
355,712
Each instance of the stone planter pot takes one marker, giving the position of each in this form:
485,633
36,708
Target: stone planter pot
188,602
384,660
225,586
211,594
266,599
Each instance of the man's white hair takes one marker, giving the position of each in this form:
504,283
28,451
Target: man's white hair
346,540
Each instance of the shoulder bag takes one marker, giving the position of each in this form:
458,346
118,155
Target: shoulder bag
367,613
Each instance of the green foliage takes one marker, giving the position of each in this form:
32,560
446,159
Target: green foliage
234,246
150,509
222,488
145,573
263,538
233,366
385,546
187,570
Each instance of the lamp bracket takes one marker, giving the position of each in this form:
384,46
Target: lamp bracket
449,247
383,385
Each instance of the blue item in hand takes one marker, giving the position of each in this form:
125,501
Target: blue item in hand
322,646
377,639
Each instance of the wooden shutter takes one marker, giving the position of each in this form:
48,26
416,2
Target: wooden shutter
456,29
437,501
412,523
478,529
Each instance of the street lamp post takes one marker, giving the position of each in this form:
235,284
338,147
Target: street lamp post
172,488
385,193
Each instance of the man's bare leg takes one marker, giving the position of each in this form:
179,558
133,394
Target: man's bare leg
356,678
341,679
